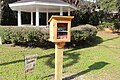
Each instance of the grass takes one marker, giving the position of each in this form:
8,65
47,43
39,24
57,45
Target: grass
100,62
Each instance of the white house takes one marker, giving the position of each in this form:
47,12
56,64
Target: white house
45,6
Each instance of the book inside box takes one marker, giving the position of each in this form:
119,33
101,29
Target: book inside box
62,30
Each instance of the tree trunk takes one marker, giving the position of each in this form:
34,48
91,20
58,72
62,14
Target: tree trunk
0,12
119,9
2,5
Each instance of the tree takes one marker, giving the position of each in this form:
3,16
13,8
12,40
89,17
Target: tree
118,4
108,5
0,13
6,13
2,4
73,2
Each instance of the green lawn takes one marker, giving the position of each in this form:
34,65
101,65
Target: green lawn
100,62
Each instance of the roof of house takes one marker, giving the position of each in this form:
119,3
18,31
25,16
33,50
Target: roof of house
46,1
43,5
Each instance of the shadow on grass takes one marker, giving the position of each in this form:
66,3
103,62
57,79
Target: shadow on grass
73,57
95,42
95,66
50,62
84,44
81,44
99,40
12,62
22,60
111,39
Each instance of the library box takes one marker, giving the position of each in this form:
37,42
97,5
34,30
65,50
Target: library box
60,27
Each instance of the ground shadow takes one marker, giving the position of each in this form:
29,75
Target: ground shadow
116,32
22,60
95,42
111,39
99,40
12,62
95,66
81,44
90,43
73,57
51,57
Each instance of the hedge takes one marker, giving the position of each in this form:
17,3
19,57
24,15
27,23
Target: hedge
105,25
117,26
25,36
38,37
82,35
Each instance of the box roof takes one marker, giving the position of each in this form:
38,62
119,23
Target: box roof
61,18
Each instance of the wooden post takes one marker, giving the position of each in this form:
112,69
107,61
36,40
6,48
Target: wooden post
59,33
59,60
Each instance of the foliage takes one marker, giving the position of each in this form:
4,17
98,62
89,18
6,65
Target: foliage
80,17
73,2
7,16
118,4
112,24
108,5
82,34
88,17
106,25
97,17
26,36
38,37
117,26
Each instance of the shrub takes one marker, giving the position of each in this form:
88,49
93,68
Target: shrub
5,34
27,36
82,34
117,26
105,25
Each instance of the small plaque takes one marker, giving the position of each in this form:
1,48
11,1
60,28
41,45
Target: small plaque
30,62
